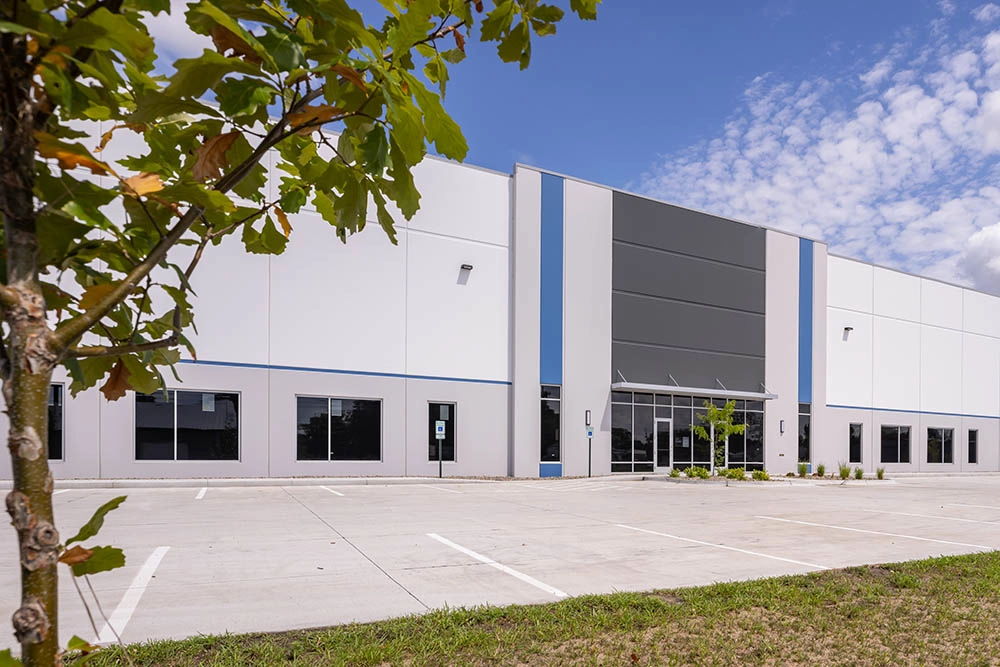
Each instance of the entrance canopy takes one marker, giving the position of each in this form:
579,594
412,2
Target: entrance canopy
695,391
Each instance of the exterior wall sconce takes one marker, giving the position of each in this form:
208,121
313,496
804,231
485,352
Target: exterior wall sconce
781,426
847,332
466,267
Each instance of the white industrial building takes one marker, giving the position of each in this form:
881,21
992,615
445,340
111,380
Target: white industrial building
511,307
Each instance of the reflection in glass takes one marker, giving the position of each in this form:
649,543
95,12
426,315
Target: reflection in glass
642,433
621,433
441,412
154,427
662,443
207,426
737,443
804,424
702,446
682,438
356,434
854,453
754,439
550,431
55,421
312,430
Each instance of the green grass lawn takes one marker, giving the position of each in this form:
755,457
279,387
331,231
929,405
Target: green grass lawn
942,611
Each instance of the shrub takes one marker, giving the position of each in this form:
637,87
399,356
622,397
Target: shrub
821,470
761,475
733,473
859,473
694,471
675,472
803,469
845,470
879,473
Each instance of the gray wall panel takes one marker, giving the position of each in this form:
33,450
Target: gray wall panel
688,296
639,319
640,363
655,272
659,225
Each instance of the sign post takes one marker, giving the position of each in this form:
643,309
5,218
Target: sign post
590,444
439,434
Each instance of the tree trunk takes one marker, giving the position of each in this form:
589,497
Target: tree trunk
26,363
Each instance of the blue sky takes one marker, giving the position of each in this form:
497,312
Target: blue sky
873,125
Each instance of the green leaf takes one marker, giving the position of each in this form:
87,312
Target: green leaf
93,526
513,47
157,106
8,660
87,372
196,75
271,238
143,379
79,644
441,128
547,13
104,30
203,16
57,231
18,29
284,47
497,21
375,150
103,560
585,9
243,97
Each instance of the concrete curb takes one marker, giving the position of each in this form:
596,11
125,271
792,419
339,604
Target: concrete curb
289,481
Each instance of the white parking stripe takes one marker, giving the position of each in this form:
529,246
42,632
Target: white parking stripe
985,507
723,546
123,612
56,493
336,493
201,494
933,516
876,532
503,568
438,488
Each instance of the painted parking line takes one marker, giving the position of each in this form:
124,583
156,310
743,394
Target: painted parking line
877,532
336,493
56,493
723,546
985,507
201,494
503,568
934,516
439,488
123,612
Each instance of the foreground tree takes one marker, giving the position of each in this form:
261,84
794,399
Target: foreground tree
719,421
91,247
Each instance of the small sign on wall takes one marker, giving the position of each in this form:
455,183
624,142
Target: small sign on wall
208,402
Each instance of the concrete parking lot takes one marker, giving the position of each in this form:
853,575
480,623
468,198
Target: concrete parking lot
236,559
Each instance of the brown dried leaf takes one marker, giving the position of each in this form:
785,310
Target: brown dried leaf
317,114
93,295
226,40
283,220
210,157
75,555
142,184
69,156
351,74
459,40
117,383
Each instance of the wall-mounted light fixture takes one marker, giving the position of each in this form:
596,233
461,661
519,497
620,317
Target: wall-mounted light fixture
847,332
467,267
781,426
588,418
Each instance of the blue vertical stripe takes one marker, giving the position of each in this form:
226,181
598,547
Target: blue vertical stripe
550,357
805,320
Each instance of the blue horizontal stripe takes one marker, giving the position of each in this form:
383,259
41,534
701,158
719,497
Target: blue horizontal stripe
234,364
914,412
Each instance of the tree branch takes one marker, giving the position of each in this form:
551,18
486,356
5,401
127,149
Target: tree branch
8,297
82,351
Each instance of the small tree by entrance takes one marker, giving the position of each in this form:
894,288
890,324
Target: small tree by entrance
720,426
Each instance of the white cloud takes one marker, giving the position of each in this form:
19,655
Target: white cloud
947,7
986,13
174,38
895,164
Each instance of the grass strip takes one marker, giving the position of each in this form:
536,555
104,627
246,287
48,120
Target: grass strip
942,611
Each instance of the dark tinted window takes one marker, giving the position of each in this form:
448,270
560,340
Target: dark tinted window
973,446
617,397
441,412
207,426
940,445
854,448
754,436
154,427
312,435
355,430
645,399
550,391
804,426
889,444
56,421
642,434
550,431
621,435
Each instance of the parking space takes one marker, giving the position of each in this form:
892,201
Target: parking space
218,559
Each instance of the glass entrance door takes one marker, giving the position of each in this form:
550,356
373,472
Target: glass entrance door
662,437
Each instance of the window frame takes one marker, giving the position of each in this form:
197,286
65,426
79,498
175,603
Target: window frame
454,420
899,436
329,428
950,431
861,442
62,423
559,428
239,427
972,446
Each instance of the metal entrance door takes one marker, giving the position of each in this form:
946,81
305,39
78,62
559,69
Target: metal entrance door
662,436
